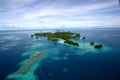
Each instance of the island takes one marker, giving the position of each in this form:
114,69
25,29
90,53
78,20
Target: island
83,38
92,43
99,46
56,36
67,36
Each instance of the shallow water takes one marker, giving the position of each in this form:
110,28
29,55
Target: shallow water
60,62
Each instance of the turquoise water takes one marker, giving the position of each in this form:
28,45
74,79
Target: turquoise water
56,61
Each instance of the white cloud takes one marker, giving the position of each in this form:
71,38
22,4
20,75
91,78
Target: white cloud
49,13
51,10
12,26
16,4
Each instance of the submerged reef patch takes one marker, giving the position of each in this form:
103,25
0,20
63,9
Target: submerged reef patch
26,72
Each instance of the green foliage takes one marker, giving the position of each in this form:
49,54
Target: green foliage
83,38
62,35
67,36
99,46
71,42
77,35
52,39
36,37
92,43
32,35
43,34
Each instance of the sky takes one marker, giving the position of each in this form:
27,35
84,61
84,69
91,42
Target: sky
48,14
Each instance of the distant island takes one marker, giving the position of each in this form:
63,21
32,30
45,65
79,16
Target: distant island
67,36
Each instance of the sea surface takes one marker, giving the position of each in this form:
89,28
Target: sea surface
57,61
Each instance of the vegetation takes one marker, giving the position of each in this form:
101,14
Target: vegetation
60,35
99,46
76,36
92,43
36,37
43,34
32,35
83,38
53,39
71,42
67,36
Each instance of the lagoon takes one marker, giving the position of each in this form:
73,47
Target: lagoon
59,62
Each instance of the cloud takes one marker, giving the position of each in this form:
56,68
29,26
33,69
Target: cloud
67,10
12,26
39,13
16,4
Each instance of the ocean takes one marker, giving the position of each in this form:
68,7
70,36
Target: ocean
25,58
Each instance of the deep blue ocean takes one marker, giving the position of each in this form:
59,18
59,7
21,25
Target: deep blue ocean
61,62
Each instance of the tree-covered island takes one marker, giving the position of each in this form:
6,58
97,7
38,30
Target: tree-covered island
56,36
67,36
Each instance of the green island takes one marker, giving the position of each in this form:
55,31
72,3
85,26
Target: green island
67,36
99,46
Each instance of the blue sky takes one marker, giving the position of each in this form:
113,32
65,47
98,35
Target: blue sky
39,14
